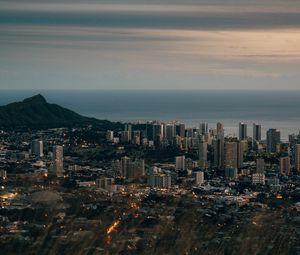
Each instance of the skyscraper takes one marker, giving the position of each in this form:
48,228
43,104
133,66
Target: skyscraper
180,163
149,131
231,155
162,181
273,139
109,135
297,157
218,145
203,128
180,130
231,173
125,166
170,132
260,166
256,132
125,136
137,137
58,160
242,147
139,168
135,169
220,129
199,177
128,128
157,133
37,148
202,154
116,168
242,131
285,165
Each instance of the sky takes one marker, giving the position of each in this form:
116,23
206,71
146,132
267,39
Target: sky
139,44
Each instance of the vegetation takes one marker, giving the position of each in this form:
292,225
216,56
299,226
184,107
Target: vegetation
36,113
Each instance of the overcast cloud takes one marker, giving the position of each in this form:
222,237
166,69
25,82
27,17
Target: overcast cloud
150,44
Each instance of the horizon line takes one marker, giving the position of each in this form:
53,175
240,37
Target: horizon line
150,89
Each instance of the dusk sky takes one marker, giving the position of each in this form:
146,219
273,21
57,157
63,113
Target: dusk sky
139,44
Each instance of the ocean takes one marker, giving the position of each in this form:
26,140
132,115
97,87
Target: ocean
272,109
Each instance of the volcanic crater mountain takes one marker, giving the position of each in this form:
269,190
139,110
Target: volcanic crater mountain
36,112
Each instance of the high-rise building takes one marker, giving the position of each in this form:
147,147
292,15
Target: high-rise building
58,160
258,178
104,182
157,133
177,140
126,164
180,163
260,166
139,168
128,128
203,128
170,132
107,184
297,157
137,137
189,132
149,131
161,181
109,135
220,129
180,130
125,136
218,145
256,132
116,168
231,173
242,147
273,139
199,177
285,165
242,131
202,154
136,169
209,137
163,131
231,154
37,148
293,141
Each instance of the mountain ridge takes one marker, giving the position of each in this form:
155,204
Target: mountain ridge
36,112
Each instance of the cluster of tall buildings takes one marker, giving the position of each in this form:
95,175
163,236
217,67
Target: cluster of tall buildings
215,150
174,133
107,184
154,133
159,180
57,166
228,153
129,169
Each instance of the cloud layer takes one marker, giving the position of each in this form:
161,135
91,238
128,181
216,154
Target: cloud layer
134,44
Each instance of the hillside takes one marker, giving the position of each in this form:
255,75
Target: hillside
36,112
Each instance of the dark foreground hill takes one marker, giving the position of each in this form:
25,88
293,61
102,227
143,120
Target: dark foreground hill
36,112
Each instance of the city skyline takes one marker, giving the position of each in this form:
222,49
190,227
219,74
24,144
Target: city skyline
137,45
149,127
71,184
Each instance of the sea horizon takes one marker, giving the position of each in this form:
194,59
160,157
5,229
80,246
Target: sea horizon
272,109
